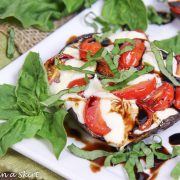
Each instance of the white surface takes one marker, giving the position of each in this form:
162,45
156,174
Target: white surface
68,165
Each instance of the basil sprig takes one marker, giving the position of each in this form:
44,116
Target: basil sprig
130,156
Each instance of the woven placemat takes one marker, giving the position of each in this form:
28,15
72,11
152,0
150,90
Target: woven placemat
27,38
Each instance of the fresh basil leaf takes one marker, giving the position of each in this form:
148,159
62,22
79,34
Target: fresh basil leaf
123,75
53,130
10,45
161,65
119,158
88,64
169,62
129,167
149,155
155,18
159,155
17,129
88,3
71,68
176,151
8,102
73,5
125,12
175,173
52,99
138,165
90,155
89,20
148,68
107,161
31,13
33,79
171,44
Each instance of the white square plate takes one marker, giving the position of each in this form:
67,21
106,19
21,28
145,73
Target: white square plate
68,165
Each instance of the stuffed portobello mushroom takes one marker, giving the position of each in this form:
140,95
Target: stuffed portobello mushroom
130,86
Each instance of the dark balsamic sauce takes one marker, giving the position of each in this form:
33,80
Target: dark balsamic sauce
71,39
141,175
174,139
97,164
142,116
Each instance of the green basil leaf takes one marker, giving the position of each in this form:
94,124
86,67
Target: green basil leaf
52,99
129,167
71,68
138,165
90,155
126,12
107,161
73,5
33,79
10,45
53,130
17,129
176,151
171,44
32,13
8,102
89,20
175,173
149,155
162,66
148,68
123,75
155,18
119,158
169,62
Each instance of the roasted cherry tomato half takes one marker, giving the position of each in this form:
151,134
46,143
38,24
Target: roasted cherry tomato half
137,91
77,82
177,98
159,100
93,117
131,58
89,45
103,68
53,72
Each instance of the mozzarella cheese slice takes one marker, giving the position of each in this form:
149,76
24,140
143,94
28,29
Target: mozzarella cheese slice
146,77
77,103
68,76
72,51
114,113
158,117
127,34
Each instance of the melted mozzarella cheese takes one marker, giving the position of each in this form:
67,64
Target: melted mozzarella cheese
77,103
114,121
67,76
94,87
158,117
127,34
146,77
111,113
72,51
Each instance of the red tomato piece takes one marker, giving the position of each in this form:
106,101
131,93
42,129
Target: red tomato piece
89,45
177,98
77,82
131,58
93,117
137,91
103,68
159,100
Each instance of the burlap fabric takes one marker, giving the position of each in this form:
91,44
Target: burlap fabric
27,38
